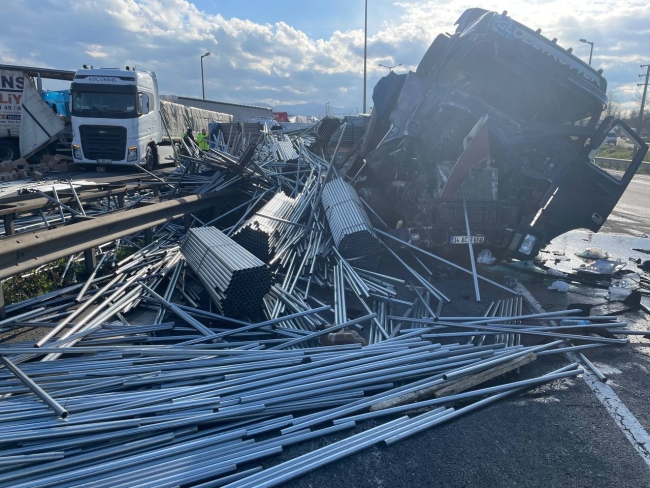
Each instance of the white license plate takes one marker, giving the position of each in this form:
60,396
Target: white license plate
104,161
463,239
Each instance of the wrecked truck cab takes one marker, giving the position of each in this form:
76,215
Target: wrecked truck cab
503,118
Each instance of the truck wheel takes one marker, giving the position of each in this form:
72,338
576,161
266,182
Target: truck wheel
151,159
9,150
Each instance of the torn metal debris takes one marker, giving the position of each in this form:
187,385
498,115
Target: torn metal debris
503,117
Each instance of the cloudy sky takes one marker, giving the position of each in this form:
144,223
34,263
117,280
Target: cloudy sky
298,51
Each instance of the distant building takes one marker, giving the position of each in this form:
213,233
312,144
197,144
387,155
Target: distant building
238,111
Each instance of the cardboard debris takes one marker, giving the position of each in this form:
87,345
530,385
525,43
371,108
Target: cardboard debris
20,168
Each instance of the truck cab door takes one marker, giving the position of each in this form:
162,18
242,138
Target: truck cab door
586,193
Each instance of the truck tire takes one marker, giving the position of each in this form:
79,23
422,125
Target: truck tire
151,159
9,150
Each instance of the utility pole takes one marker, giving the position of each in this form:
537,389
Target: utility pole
645,91
591,51
202,82
365,57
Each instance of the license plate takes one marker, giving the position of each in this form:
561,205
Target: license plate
104,161
463,239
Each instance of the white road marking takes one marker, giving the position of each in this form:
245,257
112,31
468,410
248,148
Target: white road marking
623,418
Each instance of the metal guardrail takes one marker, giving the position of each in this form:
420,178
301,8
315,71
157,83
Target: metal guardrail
620,164
11,207
23,252
615,161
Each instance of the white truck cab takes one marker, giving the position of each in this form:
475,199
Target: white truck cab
115,117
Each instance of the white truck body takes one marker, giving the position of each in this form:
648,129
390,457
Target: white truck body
118,117
27,123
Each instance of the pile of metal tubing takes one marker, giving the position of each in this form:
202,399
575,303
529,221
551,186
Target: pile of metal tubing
348,222
192,413
189,410
137,380
236,279
260,234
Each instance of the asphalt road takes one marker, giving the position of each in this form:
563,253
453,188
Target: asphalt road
558,435
632,214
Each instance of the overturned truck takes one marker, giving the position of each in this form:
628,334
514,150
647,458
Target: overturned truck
503,118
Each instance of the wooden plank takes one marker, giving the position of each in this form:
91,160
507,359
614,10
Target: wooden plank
451,387
468,382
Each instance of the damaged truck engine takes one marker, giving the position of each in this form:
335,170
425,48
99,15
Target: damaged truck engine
502,118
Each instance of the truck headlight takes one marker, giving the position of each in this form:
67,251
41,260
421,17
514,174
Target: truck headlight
76,152
132,155
527,244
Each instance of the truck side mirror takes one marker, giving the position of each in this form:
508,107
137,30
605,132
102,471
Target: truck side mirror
143,103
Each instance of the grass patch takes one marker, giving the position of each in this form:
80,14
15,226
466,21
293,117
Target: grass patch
35,283
616,152
19,288
124,252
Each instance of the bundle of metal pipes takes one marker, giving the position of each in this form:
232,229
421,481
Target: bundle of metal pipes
236,279
260,233
348,222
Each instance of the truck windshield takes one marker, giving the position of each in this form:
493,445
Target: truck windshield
107,105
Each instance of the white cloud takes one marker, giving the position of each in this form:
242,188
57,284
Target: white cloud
95,51
278,63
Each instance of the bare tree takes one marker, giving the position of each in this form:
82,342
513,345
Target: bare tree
613,106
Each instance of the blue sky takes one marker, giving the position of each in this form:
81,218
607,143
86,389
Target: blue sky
318,22
290,51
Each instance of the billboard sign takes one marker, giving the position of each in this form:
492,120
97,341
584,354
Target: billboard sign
11,95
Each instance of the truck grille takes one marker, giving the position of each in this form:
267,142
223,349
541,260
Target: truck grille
103,142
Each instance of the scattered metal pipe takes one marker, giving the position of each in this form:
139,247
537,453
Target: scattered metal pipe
37,390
